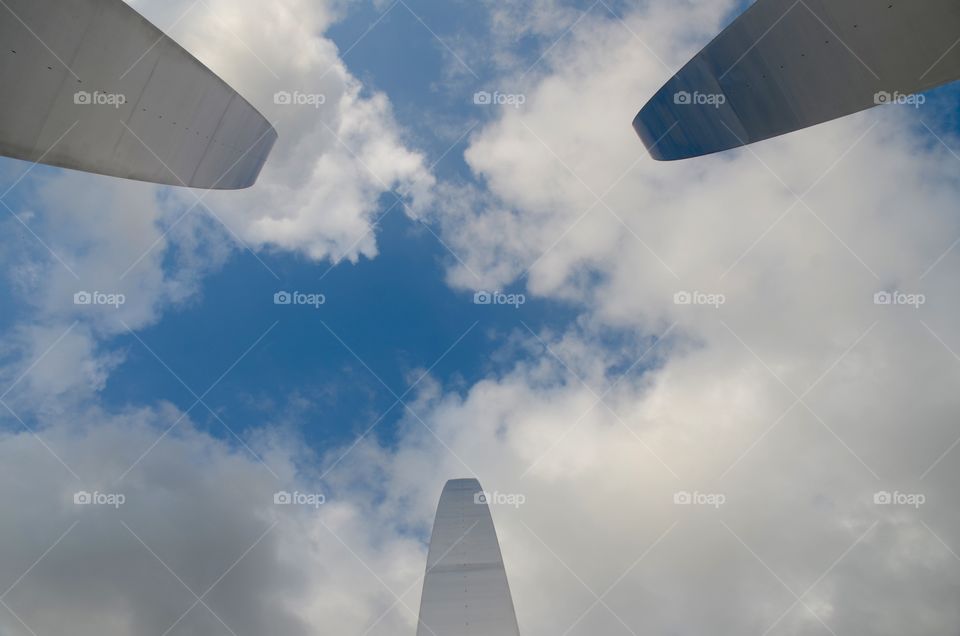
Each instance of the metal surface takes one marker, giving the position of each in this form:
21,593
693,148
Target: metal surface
789,64
465,591
92,85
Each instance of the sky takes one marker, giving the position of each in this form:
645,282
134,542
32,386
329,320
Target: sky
777,457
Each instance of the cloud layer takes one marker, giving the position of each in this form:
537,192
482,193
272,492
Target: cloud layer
782,401
339,147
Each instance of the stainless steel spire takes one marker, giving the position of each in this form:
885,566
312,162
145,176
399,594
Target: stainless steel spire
465,591
92,85
788,64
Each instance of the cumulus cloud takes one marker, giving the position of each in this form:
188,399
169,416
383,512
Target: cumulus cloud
798,399
124,525
797,516
339,149
92,257
137,569
97,234
783,383
141,249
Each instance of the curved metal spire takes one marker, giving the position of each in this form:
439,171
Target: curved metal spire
92,85
465,590
788,64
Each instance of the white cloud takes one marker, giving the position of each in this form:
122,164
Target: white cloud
799,320
712,408
319,192
196,517
599,484
103,255
113,236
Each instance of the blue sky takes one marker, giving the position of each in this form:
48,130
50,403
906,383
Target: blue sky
395,312
599,399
